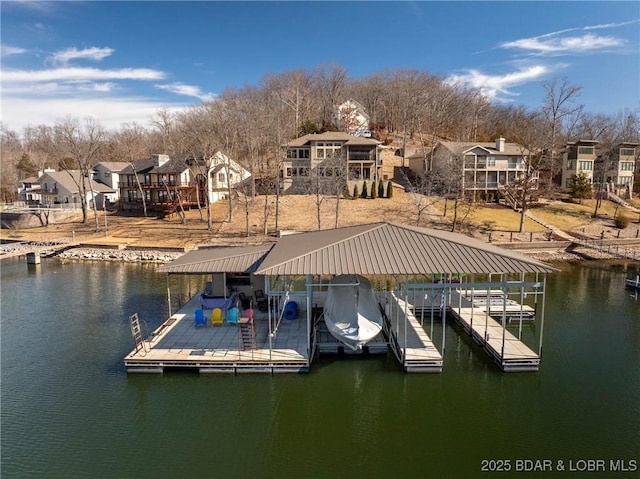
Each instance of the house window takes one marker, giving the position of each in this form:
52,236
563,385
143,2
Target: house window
585,165
624,180
626,165
627,151
513,162
585,150
220,177
173,180
491,161
570,165
482,162
288,172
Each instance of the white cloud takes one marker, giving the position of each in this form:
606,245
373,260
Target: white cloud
111,112
582,44
6,50
187,90
94,53
78,74
492,86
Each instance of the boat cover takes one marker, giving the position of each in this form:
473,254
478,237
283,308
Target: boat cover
351,311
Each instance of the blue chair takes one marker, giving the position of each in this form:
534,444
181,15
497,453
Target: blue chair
232,316
199,317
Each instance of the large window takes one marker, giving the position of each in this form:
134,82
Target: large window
626,165
627,151
585,165
328,150
585,150
302,153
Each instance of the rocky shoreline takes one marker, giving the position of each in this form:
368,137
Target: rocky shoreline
160,257
126,256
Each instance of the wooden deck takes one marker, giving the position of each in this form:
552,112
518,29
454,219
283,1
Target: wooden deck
497,304
415,350
509,352
179,344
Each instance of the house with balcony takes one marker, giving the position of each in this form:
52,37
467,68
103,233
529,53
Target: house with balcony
64,189
579,158
481,168
166,183
329,160
619,170
108,172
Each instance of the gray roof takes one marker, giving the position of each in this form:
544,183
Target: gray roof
378,248
510,149
234,259
333,136
69,179
387,248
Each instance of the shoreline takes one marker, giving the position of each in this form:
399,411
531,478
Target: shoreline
160,255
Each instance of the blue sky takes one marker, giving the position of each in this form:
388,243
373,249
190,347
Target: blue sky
122,61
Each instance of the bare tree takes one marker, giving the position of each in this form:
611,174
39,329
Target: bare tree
558,105
130,144
83,144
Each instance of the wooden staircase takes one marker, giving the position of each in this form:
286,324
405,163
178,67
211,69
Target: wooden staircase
247,334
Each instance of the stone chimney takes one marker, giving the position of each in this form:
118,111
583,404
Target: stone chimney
160,160
500,144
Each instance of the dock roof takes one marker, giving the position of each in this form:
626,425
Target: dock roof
378,248
233,259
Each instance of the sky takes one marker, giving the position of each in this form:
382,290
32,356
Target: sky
121,62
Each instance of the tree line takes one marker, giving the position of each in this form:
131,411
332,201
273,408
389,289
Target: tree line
251,124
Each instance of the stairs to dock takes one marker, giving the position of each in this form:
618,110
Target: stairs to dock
247,335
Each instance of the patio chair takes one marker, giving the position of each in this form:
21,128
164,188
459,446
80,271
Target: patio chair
232,316
199,318
261,300
216,317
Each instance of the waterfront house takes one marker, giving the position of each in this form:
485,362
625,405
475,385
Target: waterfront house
167,182
329,160
579,159
108,172
64,188
479,167
619,170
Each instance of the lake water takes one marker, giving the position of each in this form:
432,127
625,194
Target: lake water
70,410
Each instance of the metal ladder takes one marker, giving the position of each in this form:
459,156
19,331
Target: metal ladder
247,335
136,332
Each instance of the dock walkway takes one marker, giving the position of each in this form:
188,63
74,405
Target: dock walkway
509,352
414,348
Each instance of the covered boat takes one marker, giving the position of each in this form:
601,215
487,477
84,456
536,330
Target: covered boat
351,311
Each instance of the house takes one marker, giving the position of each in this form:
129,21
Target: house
619,171
579,158
108,172
64,188
481,167
352,118
166,182
331,158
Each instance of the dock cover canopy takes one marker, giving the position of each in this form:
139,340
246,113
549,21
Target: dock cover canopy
378,248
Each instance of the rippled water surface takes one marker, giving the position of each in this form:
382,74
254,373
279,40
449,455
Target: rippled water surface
70,410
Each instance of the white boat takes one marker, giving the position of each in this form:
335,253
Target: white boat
351,311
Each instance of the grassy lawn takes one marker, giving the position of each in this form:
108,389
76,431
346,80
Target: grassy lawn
490,218
567,216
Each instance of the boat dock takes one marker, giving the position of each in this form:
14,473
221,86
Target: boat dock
179,344
511,354
497,303
412,346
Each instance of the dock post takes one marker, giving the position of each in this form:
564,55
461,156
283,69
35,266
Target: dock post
33,257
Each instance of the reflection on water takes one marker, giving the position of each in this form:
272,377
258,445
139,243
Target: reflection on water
70,410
